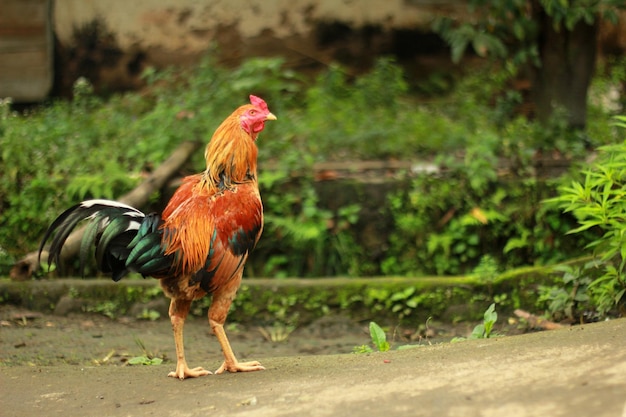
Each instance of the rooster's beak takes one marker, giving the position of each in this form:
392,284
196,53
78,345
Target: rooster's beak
270,116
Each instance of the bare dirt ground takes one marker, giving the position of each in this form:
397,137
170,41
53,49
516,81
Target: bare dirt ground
35,339
77,366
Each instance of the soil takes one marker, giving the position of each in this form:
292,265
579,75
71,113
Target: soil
34,339
78,365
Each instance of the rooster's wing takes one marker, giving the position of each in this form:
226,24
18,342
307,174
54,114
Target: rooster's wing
210,235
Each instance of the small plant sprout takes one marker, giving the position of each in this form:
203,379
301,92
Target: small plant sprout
148,358
379,338
277,333
485,329
149,314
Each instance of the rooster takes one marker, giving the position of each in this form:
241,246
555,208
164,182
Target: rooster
198,245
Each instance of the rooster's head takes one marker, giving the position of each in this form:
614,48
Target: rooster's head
254,115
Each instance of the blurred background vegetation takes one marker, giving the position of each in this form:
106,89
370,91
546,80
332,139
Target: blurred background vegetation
489,185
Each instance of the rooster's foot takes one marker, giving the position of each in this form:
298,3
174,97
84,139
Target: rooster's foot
240,367
183,372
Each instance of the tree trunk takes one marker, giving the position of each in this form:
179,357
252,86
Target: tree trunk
567,64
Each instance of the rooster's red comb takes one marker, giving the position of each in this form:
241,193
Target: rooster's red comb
259,102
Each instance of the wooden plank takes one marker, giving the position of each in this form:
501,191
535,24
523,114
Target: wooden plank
26,54
24,13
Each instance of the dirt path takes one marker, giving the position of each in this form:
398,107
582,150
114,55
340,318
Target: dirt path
35,339
89,340
572,372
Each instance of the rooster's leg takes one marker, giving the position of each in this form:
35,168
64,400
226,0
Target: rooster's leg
217,317
178,313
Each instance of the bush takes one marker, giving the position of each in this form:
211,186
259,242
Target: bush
597,201
446,226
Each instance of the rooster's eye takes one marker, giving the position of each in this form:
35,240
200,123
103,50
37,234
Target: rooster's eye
252,112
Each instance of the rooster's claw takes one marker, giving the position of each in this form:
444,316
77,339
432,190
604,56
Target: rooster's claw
240,367
184,372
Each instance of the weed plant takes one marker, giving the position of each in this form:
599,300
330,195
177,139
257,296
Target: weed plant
597,202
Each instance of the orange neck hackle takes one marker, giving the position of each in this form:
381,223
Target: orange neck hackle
231,155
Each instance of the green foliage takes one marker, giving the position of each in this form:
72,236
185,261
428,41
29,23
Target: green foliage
568,13
540,38
597,202
486,200
483,330
509,29
487,269
148,358
568,299
144,360
362,349
356,119
6,261
474,216
379,338
313,241
147,314
404,304
378,341
111,309
499,24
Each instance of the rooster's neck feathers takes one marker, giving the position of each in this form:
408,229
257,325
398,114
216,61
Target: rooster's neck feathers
231,155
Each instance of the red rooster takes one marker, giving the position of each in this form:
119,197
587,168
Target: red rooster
198,245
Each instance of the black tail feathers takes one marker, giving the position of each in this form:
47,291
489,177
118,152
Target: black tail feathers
125,239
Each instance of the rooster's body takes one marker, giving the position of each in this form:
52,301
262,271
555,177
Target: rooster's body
198,245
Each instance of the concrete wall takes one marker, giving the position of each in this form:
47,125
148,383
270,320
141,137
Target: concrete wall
307,33
191,25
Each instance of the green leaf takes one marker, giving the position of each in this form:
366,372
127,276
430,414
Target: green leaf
458,49
491,316
139,360
362,349
518,30
144,360
478,332
378,337
405,347
517,242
